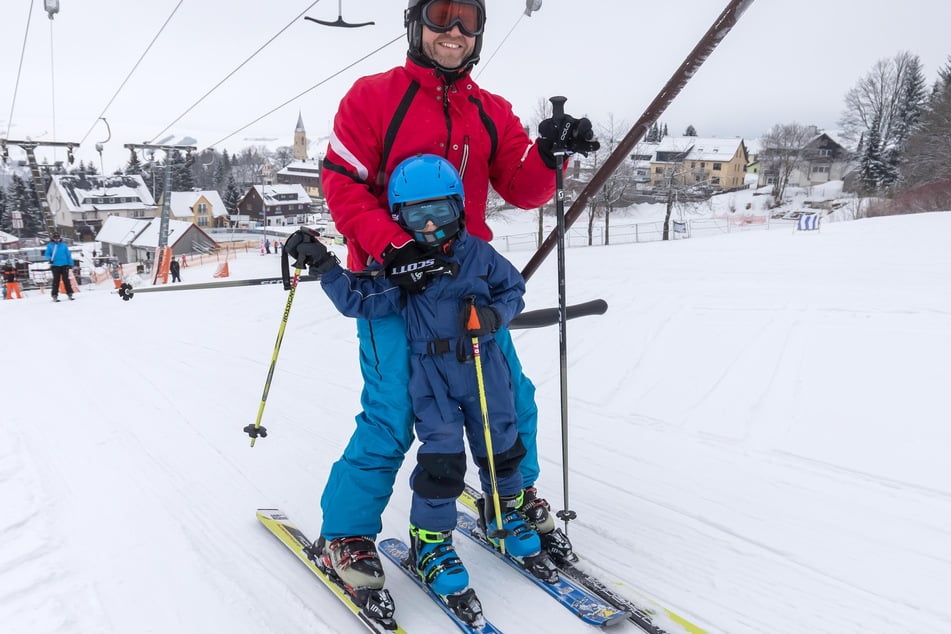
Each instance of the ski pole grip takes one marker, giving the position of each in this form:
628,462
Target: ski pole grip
558,106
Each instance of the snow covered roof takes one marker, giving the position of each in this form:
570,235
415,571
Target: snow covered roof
82,192
182,203
700,148
310,168
142,232
282,194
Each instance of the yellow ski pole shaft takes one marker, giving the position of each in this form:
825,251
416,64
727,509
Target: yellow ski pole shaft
477,359
256,429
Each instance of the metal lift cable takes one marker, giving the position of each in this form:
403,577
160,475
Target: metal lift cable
301,94
228,76
16,86
124,81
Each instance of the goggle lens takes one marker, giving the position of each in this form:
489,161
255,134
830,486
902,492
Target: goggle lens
441,212
442,15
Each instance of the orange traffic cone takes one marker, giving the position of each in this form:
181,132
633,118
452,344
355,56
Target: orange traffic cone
222,270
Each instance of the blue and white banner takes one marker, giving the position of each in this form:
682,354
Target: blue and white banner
808,222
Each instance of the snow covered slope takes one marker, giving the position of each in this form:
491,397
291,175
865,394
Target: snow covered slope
758,440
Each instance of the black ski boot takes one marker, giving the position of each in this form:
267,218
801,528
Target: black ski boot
554,540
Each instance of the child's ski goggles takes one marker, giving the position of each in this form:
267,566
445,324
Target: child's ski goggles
442,212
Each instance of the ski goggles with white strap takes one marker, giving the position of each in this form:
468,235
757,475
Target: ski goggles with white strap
441,15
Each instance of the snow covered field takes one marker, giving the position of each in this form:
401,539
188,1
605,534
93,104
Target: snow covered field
758,440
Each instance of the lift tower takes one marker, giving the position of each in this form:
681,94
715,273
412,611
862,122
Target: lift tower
38,185
162,255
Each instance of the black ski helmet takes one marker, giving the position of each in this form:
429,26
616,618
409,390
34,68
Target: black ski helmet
412,19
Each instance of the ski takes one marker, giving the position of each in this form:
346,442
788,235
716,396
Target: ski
584,604
397,551
295,540
642,617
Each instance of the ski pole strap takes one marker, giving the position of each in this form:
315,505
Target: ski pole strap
285,270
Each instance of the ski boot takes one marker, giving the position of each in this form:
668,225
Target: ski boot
554,540
521,541
354,564
434,559
436,562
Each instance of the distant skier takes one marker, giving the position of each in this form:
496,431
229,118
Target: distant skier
61,261
175,270
479,292
11,286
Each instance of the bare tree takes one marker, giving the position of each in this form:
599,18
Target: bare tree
888,100
616,190
284,156
781,153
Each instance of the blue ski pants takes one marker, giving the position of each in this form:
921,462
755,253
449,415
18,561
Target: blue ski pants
361,481
448,408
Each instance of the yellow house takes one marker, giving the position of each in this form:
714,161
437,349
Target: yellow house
204,208
699,161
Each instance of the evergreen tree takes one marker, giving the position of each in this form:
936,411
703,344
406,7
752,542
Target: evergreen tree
690,131
21,197
912,97
134,166
653,135
182,178
6,219
232,195
944,73
872,169
220,178
664,133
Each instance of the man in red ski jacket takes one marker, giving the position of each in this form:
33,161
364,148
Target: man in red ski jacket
430,105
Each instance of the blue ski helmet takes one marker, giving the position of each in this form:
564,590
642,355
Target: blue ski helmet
413,19
427,188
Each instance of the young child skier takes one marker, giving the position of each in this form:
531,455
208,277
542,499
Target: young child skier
426,198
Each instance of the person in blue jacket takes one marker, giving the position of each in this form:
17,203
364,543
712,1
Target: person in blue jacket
478,293
61,260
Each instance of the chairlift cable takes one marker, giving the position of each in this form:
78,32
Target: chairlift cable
53,86
228,76
504,39
124,81
301,94
16,86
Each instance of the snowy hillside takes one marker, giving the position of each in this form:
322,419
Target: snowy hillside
758,440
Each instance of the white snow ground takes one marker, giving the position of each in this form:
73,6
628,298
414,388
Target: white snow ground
758,440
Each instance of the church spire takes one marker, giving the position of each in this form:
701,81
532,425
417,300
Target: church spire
300,140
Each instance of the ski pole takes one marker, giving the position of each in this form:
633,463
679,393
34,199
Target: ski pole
256,429
473,324
559,150
695,59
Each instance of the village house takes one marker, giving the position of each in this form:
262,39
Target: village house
206,209
698,161
81,203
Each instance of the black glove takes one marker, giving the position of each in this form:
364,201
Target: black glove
480,320
308,251
576,135
408,265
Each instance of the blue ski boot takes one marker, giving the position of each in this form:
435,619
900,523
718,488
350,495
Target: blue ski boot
436,561
520,538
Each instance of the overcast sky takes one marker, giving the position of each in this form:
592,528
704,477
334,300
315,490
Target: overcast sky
784,62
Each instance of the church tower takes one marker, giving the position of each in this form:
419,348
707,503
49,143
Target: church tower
300,140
